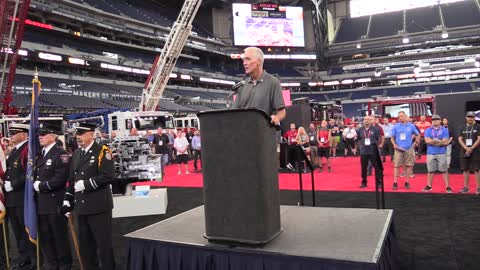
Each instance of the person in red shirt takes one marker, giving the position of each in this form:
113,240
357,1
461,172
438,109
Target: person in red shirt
323,139
422,125
290,137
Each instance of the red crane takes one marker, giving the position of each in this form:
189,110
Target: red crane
12,24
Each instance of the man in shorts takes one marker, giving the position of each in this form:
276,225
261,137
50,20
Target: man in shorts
436,138
323,140
469,141
404,155
181,146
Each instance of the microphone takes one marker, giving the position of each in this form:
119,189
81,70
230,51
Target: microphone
237,86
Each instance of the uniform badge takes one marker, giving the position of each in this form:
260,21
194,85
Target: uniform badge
108,155
65,158
49,162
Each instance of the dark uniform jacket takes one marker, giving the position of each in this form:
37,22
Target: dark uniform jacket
96,169
52,172
15,173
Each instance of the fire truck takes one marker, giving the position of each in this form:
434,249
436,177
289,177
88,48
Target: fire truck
413,106
189,121
121,123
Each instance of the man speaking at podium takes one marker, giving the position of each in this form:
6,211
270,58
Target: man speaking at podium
260,90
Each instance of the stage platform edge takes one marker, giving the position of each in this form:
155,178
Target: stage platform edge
312,238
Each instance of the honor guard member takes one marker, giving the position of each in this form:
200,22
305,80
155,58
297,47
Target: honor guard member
50,180
90,196
14,195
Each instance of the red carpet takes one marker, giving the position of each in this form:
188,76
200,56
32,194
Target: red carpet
345,176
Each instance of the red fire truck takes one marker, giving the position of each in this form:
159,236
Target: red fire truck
413,106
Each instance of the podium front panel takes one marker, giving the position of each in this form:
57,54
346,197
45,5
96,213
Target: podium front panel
240,176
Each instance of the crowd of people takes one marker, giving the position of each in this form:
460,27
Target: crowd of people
402,140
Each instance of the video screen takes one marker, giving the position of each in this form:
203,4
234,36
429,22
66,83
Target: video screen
267,25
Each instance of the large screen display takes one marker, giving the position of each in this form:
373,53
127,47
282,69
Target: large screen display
268,25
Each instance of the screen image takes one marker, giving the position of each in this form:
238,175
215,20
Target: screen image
268,25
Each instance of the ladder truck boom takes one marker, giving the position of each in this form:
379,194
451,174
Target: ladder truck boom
165,62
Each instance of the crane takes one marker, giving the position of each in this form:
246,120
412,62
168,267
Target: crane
165,62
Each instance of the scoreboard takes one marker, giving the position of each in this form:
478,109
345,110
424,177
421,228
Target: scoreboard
265,10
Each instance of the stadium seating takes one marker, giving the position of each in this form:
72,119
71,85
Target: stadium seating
312,97
103,6
458,14
339,95
154,13
120,96
450,88
284,71
366,94
405,91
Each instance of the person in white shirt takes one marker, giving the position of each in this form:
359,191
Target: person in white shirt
387,146
350,136
181,146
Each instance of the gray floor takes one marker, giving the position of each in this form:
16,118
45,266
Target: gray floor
345,234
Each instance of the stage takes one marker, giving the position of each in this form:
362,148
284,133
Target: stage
312,238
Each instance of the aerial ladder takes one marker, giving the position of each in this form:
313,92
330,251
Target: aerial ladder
165,62
12,23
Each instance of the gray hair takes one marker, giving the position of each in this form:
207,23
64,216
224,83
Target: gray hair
257,52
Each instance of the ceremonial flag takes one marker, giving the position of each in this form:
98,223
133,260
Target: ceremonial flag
30,211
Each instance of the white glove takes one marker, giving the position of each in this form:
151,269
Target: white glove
79,186
66,203
67,214
8,186
36,186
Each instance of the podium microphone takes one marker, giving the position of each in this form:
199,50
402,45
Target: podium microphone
237,86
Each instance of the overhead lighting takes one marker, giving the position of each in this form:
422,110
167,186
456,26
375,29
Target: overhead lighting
347,81
312,84
363,80
444,34
378,73
123,68
185,77
173,75
331,83
289,56
417,70
477,64
359,45
50,56
290,84
210,80
405,40
76,61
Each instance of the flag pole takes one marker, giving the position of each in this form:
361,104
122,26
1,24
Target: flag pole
38,251
5,244
75,240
